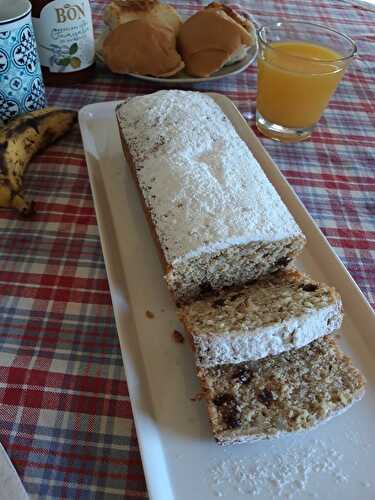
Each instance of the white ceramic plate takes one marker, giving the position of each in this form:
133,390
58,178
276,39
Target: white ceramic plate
183,77
180,458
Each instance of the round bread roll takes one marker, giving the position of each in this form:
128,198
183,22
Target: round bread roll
143,48
211,38
123,11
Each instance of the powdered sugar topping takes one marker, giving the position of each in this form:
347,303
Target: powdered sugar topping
292,470
204,189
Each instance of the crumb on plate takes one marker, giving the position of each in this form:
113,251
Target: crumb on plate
178,337
198,397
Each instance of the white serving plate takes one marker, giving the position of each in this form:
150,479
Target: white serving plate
181,460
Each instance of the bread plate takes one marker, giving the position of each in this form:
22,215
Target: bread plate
180,458
183,77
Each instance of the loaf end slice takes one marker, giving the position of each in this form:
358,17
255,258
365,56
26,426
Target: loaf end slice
192,278
291,392
284,311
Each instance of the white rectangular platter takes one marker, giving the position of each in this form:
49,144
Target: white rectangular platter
180,458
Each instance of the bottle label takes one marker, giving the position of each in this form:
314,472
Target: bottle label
65,36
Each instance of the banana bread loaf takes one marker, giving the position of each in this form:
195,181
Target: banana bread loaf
283,311
293,391
215,217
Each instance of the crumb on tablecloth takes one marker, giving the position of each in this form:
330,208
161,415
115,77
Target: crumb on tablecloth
150,314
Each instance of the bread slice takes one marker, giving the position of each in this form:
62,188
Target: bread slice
283,311
294,391
215,217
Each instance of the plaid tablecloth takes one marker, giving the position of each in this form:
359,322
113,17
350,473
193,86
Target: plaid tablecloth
65,415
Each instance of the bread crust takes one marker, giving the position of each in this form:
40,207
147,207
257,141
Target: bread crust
123,11
240,19
146,210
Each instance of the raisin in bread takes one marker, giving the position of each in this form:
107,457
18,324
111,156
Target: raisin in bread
294,391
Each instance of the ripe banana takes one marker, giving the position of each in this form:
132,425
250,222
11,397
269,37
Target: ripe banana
20,140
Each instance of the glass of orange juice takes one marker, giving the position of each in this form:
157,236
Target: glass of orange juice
299,67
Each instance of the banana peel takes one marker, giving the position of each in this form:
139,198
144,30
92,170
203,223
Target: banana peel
20,140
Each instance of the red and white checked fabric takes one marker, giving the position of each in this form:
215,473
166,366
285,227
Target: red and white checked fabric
65,415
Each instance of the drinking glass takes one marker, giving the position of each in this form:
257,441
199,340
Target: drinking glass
300,65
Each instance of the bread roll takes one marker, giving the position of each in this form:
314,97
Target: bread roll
210,39
123,11
142,47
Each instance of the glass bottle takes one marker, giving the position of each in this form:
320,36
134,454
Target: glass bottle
65,39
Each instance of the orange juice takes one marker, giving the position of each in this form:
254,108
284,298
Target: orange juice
295,82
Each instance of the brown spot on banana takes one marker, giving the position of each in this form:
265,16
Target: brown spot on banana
6,193
3,166
12,199
25,208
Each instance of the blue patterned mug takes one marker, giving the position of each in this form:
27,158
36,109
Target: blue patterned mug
21,82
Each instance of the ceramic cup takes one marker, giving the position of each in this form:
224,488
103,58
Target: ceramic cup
21,82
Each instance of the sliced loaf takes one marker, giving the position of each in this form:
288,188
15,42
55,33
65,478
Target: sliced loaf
293,391
284,311
214,215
